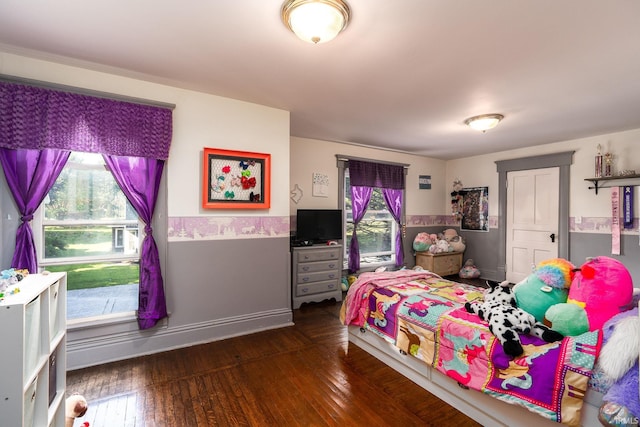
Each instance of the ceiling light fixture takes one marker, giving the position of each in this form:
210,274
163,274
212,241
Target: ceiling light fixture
484,122
316,21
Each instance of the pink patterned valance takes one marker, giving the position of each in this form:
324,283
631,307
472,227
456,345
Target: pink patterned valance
35,118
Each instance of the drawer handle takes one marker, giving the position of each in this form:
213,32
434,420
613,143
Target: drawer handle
332,276
332,266
305,268
305,279
305,290
331,286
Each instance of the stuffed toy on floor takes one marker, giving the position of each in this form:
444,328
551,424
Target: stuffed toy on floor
506,321
469,270
75,406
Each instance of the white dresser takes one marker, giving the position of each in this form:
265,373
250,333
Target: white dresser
316,273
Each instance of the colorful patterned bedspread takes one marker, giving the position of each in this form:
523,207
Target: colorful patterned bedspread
423,315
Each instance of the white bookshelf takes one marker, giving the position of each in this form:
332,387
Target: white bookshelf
33,340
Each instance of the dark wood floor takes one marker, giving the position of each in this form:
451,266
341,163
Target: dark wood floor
303,375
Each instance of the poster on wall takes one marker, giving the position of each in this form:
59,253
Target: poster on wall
320,186
475,209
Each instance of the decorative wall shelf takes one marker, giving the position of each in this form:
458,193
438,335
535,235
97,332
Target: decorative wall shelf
597,185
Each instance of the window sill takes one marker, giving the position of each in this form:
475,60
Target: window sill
369,267
101,321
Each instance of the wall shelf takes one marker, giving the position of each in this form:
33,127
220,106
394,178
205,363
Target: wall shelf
597,185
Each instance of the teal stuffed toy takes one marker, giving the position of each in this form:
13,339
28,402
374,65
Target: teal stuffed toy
547,286
423,241
568,319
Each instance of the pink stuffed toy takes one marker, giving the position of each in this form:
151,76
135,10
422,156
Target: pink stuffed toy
603,288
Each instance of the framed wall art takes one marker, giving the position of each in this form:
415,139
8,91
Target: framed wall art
475,209
235,179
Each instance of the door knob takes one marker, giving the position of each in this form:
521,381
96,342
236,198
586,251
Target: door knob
553,237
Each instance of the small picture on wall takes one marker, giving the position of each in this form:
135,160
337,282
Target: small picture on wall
235,179
320,186
424,182
475,209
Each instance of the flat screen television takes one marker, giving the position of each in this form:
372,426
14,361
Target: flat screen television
318,225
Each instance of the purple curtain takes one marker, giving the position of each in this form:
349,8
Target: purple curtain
30,175
377,175
393,199
363,176
36,118
139,180
360,197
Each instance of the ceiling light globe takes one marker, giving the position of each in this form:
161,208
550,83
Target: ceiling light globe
484,122
315,21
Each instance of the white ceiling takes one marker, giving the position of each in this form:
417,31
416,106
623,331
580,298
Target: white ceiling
403,75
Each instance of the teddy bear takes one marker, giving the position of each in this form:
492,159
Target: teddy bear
455,241
75,406
440,246
506,321
600,289
545,287
617,368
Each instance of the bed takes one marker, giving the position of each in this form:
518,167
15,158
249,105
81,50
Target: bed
415,322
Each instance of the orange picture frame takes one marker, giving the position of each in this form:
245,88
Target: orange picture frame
235,179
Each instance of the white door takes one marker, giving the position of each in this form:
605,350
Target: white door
532,220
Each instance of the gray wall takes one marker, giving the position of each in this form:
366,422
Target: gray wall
221,279
584,245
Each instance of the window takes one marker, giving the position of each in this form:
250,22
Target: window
376,231
86,227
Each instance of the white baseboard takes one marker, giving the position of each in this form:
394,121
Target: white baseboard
118,342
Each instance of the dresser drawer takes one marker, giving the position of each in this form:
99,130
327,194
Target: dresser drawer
310,267
316,288
324,254
318,276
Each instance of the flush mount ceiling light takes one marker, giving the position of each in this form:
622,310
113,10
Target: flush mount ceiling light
484,122
316,21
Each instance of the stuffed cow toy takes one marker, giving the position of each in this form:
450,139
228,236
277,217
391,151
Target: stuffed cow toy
506,321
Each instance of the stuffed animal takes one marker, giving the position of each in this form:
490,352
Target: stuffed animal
455,241
440,246
506,321
469,270
75,406
423,241
618,364
600,289
546,286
